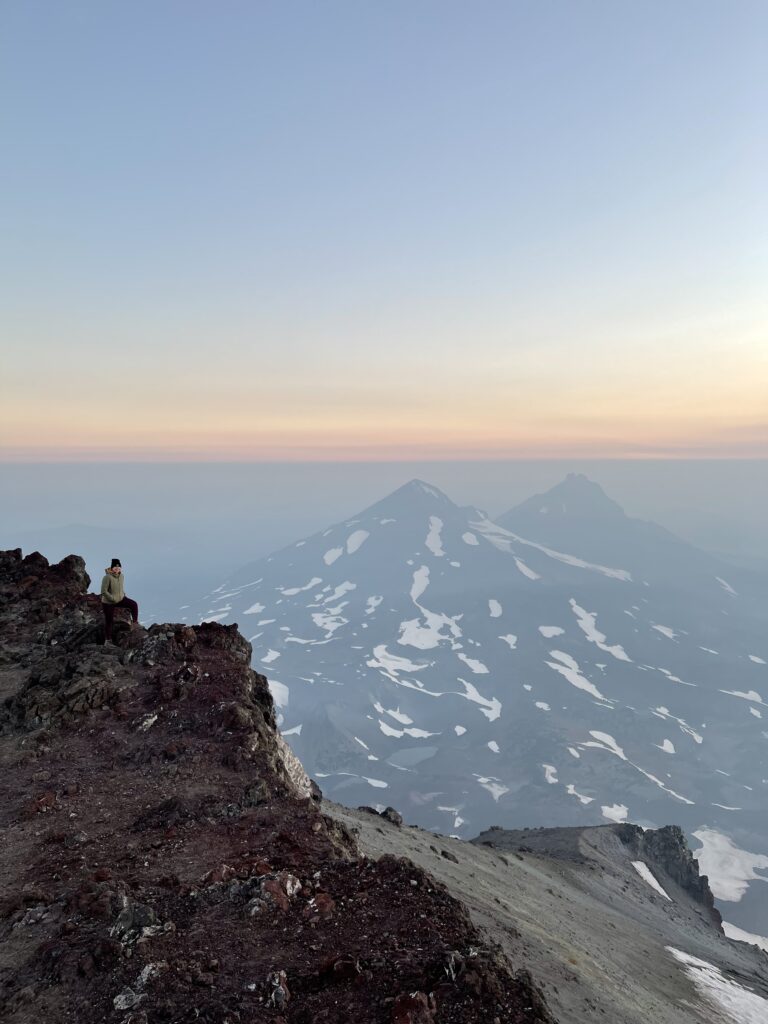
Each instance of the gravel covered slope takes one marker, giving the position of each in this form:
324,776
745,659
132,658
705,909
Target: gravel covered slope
571,906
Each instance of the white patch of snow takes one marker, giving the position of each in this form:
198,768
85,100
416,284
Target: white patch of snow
574,752
550,773
526,569
647,876
502,538
491,708
757,661
571,790
420,583
739,1003
354,540
729,868
510,639
550,631
666,631
470,538
340,591
615,812
434,541
739,935
415,634
279,693
295,731
494,608
587,622
332,554
493,745
270,656
494,786
476,666
607,742
417,734
330,619
670,677
395,713
752,695
373,603
726,586
459,730
393,662
569,668
290,591
662,712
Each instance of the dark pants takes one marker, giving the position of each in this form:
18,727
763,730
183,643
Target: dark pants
109,613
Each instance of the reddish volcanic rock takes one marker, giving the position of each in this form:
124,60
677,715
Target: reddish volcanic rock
164,857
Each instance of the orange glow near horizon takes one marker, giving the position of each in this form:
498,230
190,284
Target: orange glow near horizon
691,396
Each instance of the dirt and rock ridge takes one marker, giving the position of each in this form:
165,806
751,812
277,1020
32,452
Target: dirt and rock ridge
165,859
570,905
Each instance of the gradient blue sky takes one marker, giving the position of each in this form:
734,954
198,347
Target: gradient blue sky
384,230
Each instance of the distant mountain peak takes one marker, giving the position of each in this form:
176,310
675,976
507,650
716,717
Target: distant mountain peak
575,497
415,495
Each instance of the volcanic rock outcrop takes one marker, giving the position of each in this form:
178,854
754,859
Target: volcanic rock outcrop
164,858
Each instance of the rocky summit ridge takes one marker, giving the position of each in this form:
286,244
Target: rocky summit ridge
166,859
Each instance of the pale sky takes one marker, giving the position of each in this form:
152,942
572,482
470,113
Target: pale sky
392,230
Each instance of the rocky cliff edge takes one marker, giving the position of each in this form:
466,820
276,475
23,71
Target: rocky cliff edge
165,859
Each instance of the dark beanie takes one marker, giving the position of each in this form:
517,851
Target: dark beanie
115,561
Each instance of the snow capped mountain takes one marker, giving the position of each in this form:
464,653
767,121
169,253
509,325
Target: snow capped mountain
564,665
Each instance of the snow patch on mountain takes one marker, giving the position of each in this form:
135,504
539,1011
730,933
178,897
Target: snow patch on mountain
740,1004
476,666
254,609
290,591
550,773
752,695
526,569
666,631
587,624
356,540
502,539
568,667
728,868
434,541
549,631
647,876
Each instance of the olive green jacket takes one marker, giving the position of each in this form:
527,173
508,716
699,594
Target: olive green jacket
112,589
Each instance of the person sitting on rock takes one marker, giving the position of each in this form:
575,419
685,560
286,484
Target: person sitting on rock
113,596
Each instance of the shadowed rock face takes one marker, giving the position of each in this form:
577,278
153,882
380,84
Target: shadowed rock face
162,860
667,849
